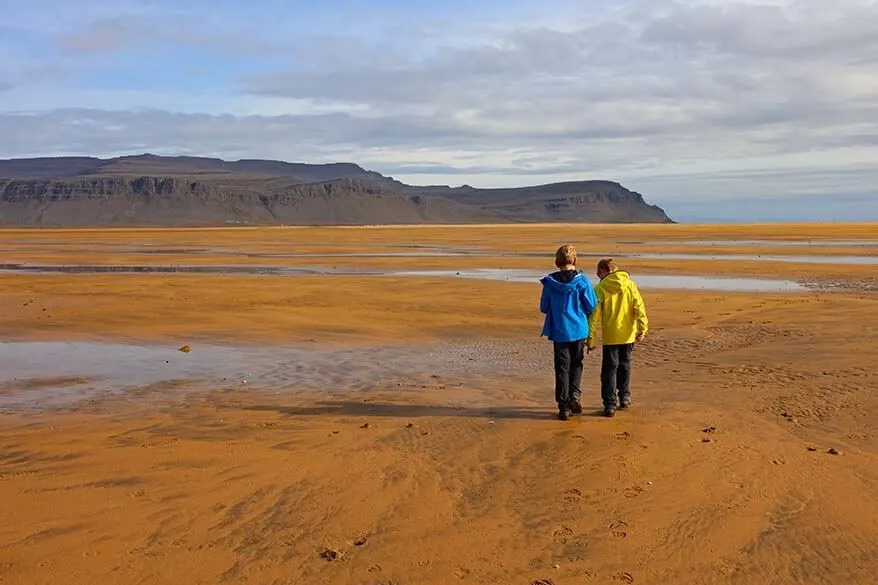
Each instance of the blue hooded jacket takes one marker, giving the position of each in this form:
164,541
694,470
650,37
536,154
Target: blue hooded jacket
568,299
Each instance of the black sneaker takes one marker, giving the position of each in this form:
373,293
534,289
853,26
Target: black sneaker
609,412
564,415
576,407
624,403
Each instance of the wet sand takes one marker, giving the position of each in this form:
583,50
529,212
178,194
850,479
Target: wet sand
400,430
464,248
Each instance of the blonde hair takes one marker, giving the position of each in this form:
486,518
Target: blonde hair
565,256
607,265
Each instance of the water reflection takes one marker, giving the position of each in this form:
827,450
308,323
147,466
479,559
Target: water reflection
661,281
766,243
47,374
645,281
797,258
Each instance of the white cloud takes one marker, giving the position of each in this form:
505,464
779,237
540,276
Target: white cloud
691,100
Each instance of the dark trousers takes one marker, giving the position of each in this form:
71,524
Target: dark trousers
616,373
568,372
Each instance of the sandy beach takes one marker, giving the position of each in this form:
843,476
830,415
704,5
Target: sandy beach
339,427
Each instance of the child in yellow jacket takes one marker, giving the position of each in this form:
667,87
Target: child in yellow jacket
622,315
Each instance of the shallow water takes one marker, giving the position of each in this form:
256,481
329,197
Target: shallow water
438,252
766,243
229,252
410,252
448,254
803,259
646,281
160,269
51,374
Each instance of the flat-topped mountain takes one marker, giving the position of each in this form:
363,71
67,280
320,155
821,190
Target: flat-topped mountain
187,191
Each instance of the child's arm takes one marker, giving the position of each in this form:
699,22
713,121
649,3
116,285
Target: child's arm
640,313
594,319
590,298
544,301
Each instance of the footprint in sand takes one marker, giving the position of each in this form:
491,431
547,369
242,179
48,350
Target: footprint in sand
572,496
623,577
633,491
562,535
331,555
619,529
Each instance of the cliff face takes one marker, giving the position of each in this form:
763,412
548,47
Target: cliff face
198,191
100,188
577,201
169,201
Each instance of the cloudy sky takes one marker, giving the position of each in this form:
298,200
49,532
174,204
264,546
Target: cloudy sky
714,109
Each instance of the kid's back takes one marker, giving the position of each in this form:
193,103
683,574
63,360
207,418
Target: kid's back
620,307
567,300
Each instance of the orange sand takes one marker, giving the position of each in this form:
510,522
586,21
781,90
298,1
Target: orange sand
253,487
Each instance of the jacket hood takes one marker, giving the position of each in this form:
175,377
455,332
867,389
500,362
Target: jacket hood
615,282
578,281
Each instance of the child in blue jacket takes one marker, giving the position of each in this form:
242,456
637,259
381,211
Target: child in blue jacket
568,299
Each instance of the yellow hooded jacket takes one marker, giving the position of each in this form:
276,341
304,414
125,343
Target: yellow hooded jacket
620,309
